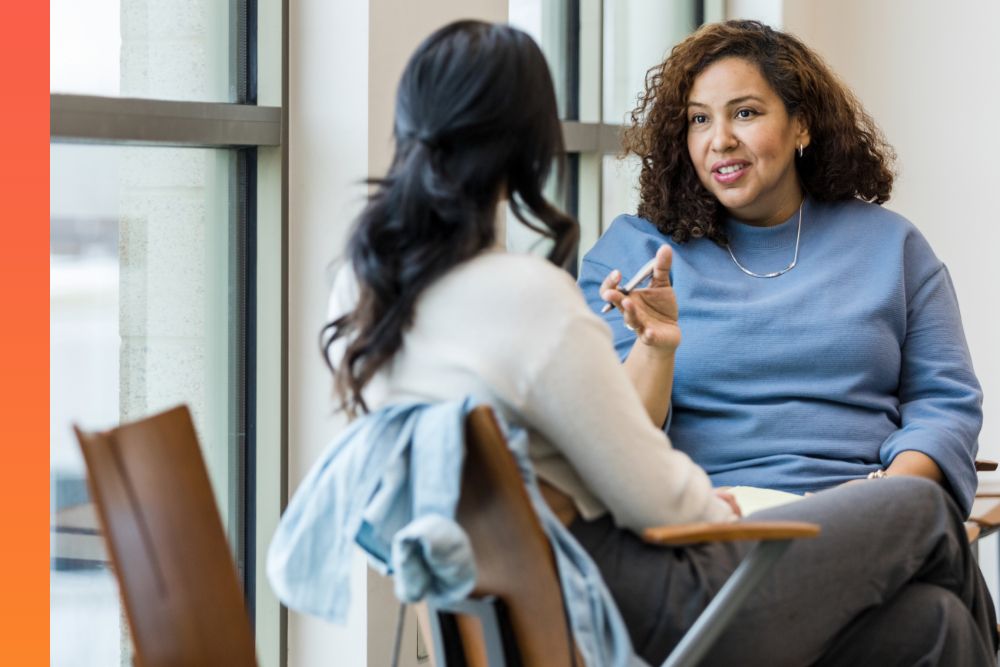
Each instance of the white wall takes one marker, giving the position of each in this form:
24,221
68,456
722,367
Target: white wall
345,59
328,156
929,73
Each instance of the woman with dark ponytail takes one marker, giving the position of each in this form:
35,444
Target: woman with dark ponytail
458,153
430,308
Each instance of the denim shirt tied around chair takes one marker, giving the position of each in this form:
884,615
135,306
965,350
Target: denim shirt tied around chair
390,484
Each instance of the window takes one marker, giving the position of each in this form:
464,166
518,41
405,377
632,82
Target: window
159,49
599,52
165,231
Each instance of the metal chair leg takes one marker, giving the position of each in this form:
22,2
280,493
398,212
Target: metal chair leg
716,616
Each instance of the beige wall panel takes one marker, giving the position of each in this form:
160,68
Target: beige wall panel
396,29
345,59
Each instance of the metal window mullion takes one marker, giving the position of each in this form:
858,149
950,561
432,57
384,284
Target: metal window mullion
572,60
283,630
245,343
122,120
246,51
236,307
238,54
597,170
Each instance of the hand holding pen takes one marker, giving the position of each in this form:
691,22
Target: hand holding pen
645,272
650,311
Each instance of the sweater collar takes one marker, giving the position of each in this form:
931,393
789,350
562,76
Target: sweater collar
750,237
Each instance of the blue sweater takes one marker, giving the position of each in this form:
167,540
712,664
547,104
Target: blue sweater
821,375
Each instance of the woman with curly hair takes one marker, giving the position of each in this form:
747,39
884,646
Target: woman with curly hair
822,337
430,309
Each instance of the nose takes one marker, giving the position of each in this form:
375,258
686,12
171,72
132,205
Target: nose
723,139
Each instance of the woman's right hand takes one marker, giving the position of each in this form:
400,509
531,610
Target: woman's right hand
650,311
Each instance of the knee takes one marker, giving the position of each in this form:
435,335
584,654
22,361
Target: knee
932,605
915,485
932,613
921,495
922,624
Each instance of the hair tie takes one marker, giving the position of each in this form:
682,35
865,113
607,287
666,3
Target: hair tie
428,140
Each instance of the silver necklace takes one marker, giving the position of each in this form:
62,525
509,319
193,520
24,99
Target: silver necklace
785,270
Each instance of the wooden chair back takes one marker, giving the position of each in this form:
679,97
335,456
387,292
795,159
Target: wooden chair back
167,544
514,560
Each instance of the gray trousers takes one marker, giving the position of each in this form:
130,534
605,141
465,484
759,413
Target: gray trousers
890,581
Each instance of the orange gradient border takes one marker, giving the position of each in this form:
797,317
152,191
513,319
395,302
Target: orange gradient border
24,360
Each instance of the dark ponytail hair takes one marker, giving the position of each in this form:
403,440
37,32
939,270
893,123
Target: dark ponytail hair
475,120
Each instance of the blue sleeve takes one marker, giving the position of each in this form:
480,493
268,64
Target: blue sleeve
939,395
592,274
621,247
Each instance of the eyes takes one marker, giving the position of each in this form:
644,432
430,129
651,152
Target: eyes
743,113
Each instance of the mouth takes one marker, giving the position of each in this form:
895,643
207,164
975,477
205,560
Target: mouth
729,171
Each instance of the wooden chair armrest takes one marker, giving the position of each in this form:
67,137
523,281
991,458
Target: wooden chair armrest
693,533
986,512
982,465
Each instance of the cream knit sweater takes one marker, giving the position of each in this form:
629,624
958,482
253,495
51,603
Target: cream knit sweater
514,330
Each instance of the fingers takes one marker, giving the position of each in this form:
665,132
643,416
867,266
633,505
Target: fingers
730,500
611,282
661,269
613,299
609,290
630,315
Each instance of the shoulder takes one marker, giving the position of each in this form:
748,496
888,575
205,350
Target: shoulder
879,227
628,243
632,224
499,269
509,311
859,216
625,230
527,285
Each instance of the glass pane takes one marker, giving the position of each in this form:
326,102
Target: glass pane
620,187
167,49
548,22
520,238
638,34
142,318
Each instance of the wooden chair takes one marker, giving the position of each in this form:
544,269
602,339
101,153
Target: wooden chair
984,518
515,615
167,544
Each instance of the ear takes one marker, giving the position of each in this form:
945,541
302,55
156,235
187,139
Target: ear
802,136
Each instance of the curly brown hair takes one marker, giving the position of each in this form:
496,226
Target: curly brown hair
848,156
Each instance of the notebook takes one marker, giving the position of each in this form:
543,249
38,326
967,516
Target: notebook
753,499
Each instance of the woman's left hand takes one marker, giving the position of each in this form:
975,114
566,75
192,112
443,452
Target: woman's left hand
723,494
650,311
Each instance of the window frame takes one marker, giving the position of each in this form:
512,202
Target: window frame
588,142
257,135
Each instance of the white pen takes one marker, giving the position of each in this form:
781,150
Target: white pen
643,273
